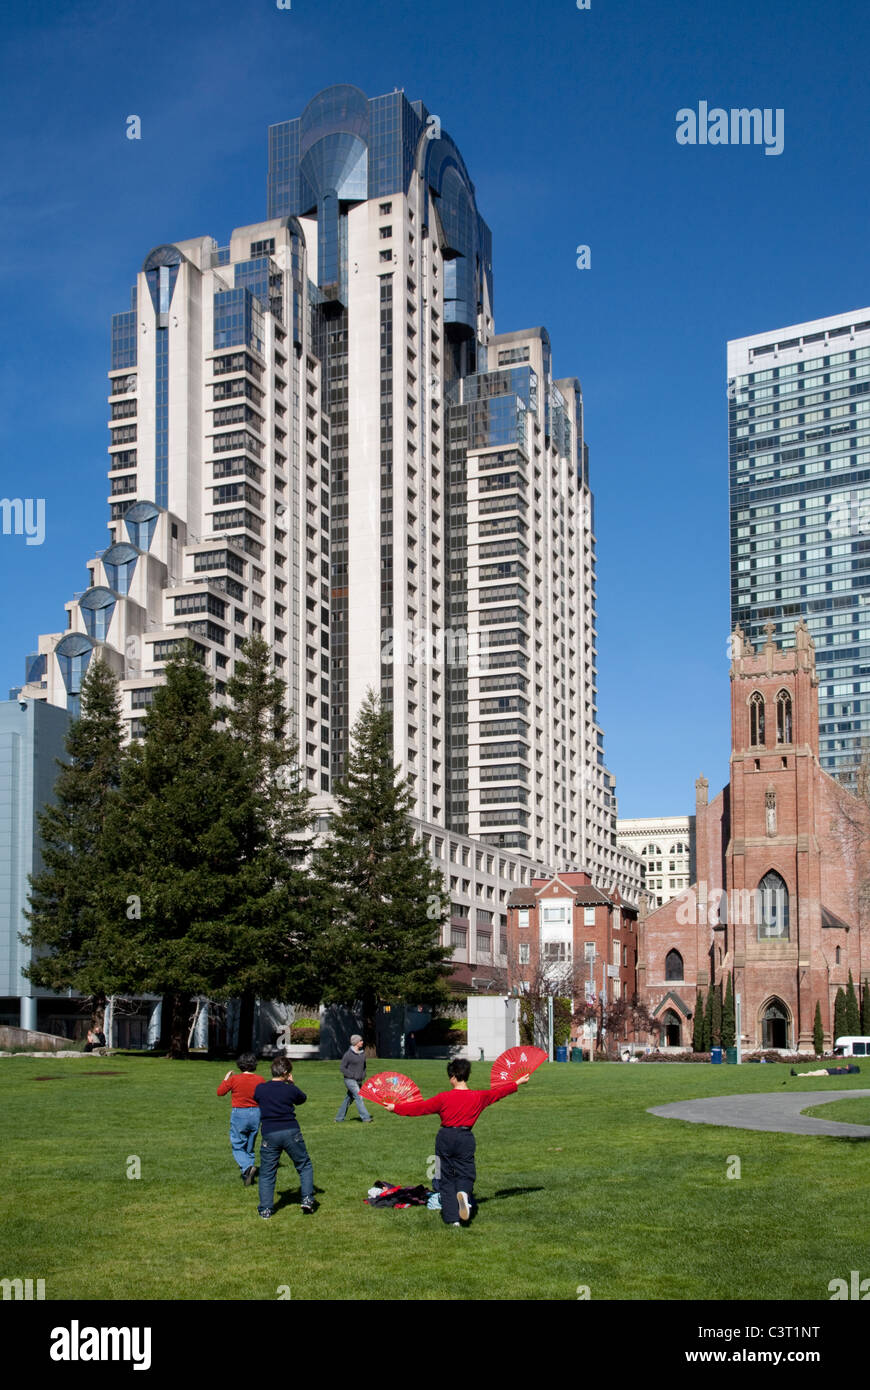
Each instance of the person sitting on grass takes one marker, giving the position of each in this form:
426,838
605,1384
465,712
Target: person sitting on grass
245,1114
455,1145
277,1100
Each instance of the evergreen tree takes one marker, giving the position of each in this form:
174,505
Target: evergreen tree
268,941
387,901
716,1021
698,1023
840,1029
177,832
707,1036
818,1031
853,1013
65,915
865,1008
729,1023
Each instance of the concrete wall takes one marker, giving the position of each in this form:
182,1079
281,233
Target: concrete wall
493,1025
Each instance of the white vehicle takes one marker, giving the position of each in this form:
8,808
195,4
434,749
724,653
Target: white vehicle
852,1047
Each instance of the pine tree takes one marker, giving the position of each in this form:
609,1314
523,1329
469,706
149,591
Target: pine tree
269,939
818,1031
707,1036
387,901
729,1023
177,833
840,1029
865,1008
698,1023
853,1012
716,1021
65,912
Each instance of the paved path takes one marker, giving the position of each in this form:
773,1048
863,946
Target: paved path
778,1113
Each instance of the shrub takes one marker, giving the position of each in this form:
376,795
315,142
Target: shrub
304,1035
681,1057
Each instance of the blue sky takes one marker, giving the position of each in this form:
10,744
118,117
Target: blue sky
566,119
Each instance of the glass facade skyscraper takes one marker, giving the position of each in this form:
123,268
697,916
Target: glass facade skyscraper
799,455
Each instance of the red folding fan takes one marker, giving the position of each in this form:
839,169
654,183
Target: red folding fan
388,1087
517,1061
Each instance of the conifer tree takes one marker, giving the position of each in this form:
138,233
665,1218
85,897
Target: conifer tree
865,1008
66,925
716,1021
840,1029
853,1012
818,1031
387,902
177,831
270,934
729,1023
698,1023
707,1038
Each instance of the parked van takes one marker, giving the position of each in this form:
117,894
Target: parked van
852,1047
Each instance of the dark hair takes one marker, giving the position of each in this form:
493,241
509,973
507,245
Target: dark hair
460,1068
247,1061
282,1066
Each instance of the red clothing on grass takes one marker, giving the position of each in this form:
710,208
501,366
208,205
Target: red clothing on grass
456,1108
243,1085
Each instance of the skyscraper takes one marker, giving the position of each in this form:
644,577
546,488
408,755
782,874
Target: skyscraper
316,435
799,452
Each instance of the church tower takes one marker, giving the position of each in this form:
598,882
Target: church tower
773,858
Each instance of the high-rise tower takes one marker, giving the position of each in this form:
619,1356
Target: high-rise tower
799,445
317,436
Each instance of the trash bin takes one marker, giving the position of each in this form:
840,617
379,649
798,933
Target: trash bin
731,1056
716,1055
576,1054
561,1054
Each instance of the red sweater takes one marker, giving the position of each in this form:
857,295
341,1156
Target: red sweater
243,1085
456,1108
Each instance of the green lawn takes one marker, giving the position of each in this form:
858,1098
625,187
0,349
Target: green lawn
851,1112
578,1185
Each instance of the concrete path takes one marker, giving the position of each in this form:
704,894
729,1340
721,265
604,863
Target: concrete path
776,1112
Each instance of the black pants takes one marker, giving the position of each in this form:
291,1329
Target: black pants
455,1150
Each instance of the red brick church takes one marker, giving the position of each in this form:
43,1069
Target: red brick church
783,865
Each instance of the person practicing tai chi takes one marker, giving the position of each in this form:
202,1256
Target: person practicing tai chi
459,1109
280,1131
245,1114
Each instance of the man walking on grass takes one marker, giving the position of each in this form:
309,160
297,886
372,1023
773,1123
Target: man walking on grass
353,1069
280,1133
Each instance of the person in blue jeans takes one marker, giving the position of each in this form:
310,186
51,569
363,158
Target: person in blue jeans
244,1116
353,1069
280,1133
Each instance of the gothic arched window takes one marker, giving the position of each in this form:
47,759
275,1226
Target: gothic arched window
756,719
771,908
783,717
673,966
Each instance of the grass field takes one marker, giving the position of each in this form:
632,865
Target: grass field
577,1185
849,1112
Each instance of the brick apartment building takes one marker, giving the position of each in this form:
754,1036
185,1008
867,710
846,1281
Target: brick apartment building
567,924
783,869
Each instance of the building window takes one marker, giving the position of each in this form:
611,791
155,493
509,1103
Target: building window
771,908
524,953
589,916
837,956
522,917
756,720
673,966
783,717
